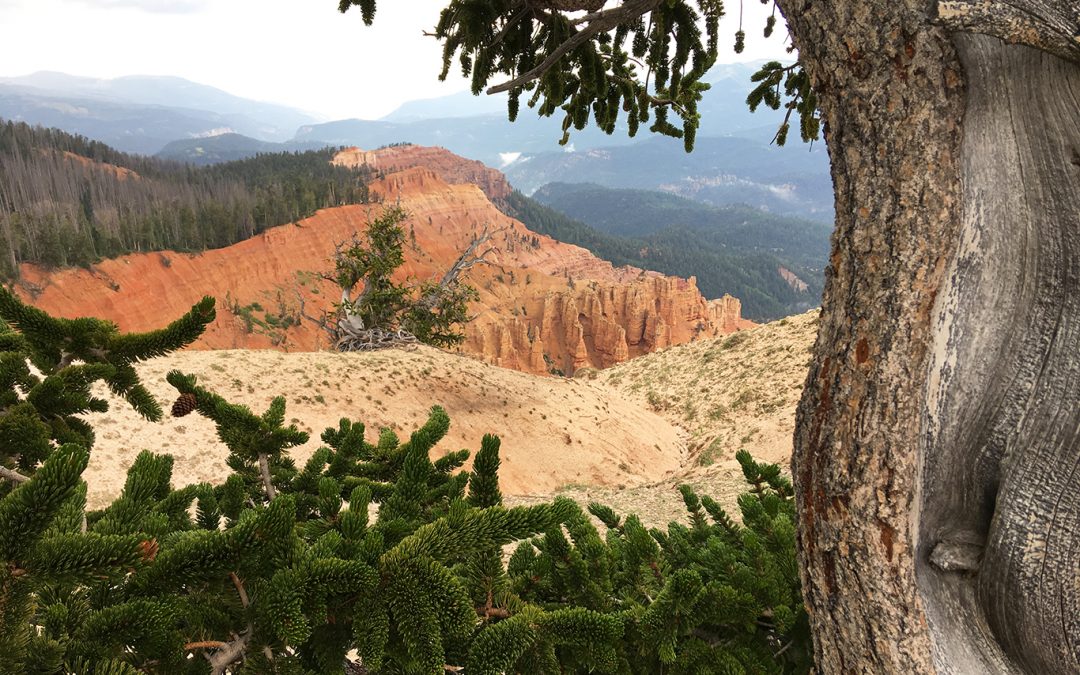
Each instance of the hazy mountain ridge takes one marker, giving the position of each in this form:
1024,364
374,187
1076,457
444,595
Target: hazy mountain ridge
737,228
791,180
142,113
229,147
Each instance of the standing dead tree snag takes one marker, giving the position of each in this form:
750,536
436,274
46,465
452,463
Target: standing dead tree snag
386,313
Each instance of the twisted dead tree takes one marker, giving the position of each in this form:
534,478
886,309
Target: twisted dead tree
386,314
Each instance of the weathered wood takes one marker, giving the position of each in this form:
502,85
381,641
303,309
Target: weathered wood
1002,437
1048,25
937,449
12,475
890,88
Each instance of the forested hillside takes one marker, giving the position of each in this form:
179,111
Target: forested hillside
750,274
735,227
227,148
67,200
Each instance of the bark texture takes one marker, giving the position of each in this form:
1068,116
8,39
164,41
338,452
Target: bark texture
890,88
1002,444
937,441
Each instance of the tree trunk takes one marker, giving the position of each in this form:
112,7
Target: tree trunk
937,448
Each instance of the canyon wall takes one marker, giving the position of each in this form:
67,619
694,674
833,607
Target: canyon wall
451,168
544,306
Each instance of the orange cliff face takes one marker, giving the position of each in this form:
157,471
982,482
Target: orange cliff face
544,305
451,168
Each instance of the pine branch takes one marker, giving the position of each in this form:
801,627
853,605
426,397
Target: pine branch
601,21
228,652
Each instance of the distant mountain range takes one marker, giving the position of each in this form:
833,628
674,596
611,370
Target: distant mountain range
142,114
477,127
175,119
798,244
792,180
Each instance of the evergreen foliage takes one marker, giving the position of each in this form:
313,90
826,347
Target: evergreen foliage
371,547
66,200
586,60
703,250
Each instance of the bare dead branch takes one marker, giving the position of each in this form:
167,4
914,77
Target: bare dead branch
240,589
12,475
264,470
469,257
227,655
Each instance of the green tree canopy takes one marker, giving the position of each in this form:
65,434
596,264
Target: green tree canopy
644,59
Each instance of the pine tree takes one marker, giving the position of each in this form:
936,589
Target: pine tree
369,546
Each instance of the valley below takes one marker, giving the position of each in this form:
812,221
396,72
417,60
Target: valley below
543,307
606,382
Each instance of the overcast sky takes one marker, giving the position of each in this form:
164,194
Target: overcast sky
303,53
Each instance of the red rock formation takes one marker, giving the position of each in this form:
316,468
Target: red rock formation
453,169
543,304
792,280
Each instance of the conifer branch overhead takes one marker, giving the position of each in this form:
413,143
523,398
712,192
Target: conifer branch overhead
593,24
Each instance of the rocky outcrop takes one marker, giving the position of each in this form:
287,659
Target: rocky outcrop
598,324
451,168
544,305
726,315
797,284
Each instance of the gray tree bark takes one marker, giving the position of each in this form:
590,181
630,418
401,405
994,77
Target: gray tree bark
937,448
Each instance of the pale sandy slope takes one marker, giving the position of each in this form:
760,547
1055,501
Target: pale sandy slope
729,393
554,431
626,436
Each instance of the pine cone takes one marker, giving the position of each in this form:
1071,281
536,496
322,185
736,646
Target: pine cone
183,405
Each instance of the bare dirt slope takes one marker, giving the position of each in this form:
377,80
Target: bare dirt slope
626,436
727,393
555,432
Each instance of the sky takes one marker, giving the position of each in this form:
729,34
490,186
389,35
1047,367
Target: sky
302,53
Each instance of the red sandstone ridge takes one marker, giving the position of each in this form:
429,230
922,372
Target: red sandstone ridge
451,168
544,305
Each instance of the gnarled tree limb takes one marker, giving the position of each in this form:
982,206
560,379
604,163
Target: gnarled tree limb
1050,25
264,471
12,475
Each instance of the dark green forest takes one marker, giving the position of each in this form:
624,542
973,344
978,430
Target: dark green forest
714,256
62,202
737,227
